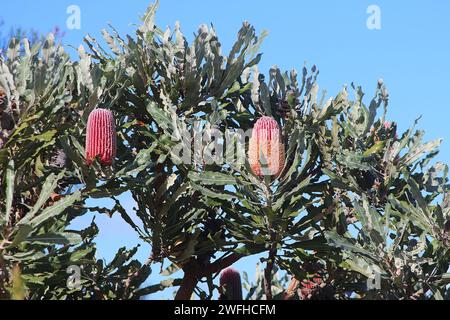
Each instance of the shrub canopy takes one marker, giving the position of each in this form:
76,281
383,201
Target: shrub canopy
356,200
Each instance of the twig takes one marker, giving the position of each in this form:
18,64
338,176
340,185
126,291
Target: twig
135,275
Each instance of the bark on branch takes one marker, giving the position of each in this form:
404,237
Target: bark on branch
193,272
268,274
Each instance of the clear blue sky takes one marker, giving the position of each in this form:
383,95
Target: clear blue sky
411,52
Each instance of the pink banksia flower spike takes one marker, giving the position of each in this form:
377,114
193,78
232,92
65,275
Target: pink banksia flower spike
230,285
266,148
101,137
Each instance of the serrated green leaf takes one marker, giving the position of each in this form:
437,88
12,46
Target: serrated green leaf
67,238
56,209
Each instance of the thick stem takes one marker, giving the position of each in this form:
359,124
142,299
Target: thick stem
187,287
273,250
268,273
221,264
193,272
189,282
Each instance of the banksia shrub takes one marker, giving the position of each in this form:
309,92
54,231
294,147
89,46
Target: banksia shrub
101,137
230,285
266,149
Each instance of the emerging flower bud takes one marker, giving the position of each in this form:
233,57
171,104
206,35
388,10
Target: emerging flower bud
230,284
389,126
101,137
266,149
380,83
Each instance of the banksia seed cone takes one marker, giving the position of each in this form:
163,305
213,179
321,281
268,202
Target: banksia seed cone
4,134
230,284
3,101
266,149
101,137
6,120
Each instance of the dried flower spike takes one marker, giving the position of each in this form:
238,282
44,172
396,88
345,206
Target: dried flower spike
59,159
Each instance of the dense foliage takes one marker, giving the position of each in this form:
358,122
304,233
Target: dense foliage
355,199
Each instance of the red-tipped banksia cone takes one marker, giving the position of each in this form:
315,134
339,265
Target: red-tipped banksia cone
101,137
230,285
266,149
